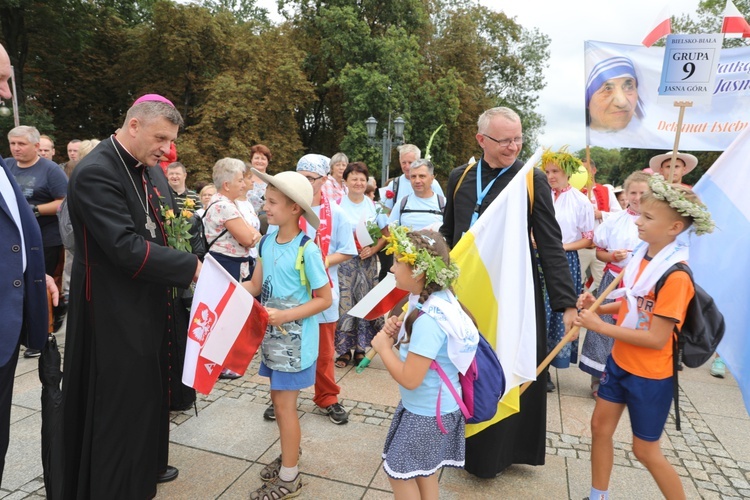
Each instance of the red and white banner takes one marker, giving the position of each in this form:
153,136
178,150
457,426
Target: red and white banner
226,328
379,300
662,27
734,25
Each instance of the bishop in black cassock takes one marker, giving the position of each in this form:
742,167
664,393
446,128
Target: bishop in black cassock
520,438
122,277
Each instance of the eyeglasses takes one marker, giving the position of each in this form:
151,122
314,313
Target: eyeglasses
504,143
313,179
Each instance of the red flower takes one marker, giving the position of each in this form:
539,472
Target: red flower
390,194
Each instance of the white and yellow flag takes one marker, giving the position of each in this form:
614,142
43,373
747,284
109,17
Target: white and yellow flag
496,284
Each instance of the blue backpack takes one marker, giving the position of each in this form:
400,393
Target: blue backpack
482,386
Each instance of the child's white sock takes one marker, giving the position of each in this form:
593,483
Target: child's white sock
288,473
595,494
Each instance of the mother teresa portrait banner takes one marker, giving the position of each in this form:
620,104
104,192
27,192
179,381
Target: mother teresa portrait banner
622,109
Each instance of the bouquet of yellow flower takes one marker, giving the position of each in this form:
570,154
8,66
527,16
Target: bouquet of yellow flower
177,226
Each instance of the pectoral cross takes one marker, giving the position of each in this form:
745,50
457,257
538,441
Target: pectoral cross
150,226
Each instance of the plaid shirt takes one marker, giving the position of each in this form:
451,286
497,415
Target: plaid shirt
333,190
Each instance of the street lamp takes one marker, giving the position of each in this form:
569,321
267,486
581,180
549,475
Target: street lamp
387,142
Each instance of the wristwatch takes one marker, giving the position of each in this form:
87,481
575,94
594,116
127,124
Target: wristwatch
35,209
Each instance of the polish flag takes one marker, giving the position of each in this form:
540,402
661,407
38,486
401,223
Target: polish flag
662,27
226,328
380,300
734,25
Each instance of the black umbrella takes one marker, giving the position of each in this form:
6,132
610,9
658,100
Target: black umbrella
52,418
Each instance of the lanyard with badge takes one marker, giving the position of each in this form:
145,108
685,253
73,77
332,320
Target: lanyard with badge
481,193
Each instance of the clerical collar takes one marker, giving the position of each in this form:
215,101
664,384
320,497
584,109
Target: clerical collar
128,159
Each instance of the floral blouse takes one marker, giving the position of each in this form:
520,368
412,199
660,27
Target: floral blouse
221,209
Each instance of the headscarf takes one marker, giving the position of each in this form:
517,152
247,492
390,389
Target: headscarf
607,69
317,164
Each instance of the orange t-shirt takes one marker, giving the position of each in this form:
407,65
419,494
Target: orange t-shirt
671,304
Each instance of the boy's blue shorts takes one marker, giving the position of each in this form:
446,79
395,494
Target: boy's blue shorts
289,381
648,400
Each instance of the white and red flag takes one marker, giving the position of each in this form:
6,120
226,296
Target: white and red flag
734,25
226,328
379,300
662,27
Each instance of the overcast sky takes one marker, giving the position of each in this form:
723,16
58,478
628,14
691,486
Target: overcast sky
568,23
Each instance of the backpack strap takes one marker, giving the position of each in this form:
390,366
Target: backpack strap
403,206
676,341
461,179
436,366
299,263
260,244
209,245
529,185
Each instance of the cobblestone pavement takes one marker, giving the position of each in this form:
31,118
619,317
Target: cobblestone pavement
710,455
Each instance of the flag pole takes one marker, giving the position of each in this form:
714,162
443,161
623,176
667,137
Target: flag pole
568,336
682,105
372,352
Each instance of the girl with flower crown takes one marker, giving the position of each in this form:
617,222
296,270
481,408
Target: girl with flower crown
615,240
576,220
436,329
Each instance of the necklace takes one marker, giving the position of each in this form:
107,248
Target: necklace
284,251
150,225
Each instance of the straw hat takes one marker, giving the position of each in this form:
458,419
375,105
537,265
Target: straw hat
297,188
690,162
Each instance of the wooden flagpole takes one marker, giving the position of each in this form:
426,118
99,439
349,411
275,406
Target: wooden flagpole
682,105
568,336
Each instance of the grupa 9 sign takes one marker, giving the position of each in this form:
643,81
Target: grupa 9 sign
690,67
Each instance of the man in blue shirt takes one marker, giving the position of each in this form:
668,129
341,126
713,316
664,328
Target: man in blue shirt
424,207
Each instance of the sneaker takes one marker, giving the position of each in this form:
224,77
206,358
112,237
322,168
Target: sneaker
229,375
718,368
276,489
32,353
550,384
337,414
270,413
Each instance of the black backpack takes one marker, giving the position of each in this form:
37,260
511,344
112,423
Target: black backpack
701,332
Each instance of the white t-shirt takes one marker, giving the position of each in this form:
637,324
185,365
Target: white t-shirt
405,189
422,218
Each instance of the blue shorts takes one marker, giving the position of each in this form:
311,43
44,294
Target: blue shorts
289,381
648,400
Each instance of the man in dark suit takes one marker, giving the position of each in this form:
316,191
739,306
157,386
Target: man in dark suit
23,284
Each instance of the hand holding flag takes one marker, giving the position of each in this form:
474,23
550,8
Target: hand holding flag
226,328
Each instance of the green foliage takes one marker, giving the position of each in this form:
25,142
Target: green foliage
306,85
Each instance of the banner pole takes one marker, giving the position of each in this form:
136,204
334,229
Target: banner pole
590,180
568,336
682,105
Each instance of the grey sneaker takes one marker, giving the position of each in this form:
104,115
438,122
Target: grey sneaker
337,414
276,489
270,413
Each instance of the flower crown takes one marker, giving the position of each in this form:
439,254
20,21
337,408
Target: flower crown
421,260
662,190
568,163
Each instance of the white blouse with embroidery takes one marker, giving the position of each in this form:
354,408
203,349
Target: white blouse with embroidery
574,215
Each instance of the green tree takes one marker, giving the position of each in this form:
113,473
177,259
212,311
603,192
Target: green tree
708,18
607,163
253,100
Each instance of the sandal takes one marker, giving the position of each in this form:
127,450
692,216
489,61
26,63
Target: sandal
343,360
271,471
276,489
358,357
